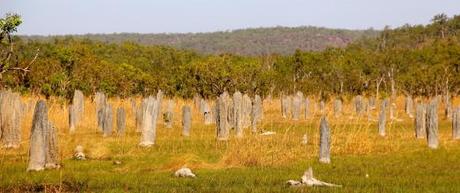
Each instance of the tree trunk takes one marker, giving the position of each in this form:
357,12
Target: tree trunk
382,119
337,107
307,108
341,87
359,105
322,107
393,88
456,124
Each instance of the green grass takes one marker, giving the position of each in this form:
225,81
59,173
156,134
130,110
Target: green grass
422,171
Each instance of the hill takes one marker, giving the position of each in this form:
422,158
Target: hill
253,41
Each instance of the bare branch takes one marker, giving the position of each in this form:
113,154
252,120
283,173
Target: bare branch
35,58
20,69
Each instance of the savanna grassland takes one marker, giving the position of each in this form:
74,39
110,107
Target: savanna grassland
419,61
362,161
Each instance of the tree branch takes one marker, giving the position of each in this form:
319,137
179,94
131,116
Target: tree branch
35,58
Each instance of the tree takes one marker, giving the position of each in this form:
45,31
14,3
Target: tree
9,61
441,20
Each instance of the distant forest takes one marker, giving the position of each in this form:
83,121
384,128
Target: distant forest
256,41
418,60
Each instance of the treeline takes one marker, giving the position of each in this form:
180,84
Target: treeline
253,42
419,60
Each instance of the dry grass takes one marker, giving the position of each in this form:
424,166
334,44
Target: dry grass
351,136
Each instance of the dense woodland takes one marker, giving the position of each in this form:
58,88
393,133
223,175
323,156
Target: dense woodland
421,60
253,42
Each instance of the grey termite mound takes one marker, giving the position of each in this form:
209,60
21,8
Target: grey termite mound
43,152
186,120
325,141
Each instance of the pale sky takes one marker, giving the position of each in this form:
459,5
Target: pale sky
52,17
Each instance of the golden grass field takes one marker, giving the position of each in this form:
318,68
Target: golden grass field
251,164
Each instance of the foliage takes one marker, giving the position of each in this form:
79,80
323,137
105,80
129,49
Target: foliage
9,25
8,58
416,60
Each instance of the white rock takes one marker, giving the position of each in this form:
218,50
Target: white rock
309,180
146,144
79,155
184,172
305,139
268,133
294,183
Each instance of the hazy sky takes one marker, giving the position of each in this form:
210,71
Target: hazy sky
155,16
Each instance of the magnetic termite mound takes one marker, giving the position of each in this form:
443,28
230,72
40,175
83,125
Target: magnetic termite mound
168,116
325,141
43,151
222,125
238,113
432,124
186,120
121,120
11,114
150,111
76,110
